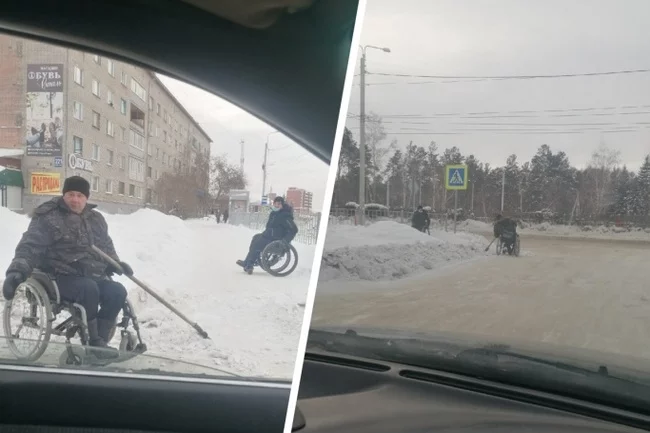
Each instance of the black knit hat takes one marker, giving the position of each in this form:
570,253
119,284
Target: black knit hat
278,199
78,184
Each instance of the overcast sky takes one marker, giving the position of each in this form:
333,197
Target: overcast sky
504,38
288,164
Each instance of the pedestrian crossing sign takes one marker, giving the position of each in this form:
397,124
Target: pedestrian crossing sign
456,177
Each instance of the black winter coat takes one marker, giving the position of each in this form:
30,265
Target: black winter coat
281,225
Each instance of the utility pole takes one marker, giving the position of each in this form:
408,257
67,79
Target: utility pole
362,138
388,193
362,132
503,188
266,152
241,158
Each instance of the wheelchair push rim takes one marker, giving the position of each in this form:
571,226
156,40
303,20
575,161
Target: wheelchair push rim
40,315
268,259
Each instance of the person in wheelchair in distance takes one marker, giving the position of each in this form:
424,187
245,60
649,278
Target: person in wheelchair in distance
506,229
280,226
58,241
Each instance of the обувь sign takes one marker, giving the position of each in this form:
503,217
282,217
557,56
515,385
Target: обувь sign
77,163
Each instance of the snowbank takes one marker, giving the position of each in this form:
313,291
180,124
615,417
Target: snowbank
591,232
253,321
390,250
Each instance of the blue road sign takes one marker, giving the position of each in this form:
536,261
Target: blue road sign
456,177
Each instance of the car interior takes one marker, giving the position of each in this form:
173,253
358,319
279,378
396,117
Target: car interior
283,61
341,393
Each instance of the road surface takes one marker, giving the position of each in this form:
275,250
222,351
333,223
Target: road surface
582,293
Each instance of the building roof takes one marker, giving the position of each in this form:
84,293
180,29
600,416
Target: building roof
171,95
9,153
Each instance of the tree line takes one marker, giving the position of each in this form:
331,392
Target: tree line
403,178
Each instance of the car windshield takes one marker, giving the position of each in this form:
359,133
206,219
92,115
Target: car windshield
128,203
502,197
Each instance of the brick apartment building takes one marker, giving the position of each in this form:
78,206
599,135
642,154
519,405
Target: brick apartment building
66,112
299,199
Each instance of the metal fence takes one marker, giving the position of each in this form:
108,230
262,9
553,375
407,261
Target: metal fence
307,224
441,219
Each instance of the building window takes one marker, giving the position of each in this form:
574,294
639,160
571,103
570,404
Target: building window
110,128
136,140
124,78
158,109
150,103
149,172
122,134
78,75
96,152
120,188
164,136
138,192
96,120
165,118
150,149
95,88
111,157
131,190
109,97
122,162
136,169
78,145
94,185
97,59
110,67
109,187
139,91
123,106
77,110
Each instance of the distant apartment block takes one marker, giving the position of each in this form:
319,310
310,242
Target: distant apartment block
65,112
299,199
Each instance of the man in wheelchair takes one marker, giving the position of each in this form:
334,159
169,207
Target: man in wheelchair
506,229
280,226
58,241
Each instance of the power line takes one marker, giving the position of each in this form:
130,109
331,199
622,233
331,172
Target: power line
512,77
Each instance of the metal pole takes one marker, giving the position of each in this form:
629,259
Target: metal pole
503,188
266,152
362,138
455,208
472,196
388,193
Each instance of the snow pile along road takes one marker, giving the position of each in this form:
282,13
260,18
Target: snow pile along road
253,321
389,250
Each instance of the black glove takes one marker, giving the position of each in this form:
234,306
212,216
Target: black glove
125,267
12,281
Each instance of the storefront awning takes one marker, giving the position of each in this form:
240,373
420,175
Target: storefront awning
11,177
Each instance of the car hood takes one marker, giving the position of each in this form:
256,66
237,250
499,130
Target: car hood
452,344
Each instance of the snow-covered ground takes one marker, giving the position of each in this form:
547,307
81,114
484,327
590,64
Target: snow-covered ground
388,250
253,321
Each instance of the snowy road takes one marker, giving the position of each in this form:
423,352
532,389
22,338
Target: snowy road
577,292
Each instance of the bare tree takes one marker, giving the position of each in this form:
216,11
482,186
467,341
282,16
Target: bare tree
603,161
224,177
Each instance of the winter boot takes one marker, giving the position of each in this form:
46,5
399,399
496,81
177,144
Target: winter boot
247,268
104,328
104,352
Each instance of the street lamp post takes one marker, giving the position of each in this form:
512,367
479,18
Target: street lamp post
266,153
362,132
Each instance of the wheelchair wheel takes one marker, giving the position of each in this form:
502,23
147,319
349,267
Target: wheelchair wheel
30,310
276,261
499,247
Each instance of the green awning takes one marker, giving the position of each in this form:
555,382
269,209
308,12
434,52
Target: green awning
10,177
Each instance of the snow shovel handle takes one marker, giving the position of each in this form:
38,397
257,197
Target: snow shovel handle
488,247
149,290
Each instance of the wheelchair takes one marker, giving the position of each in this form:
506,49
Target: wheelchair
502,248
41,295
276,260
